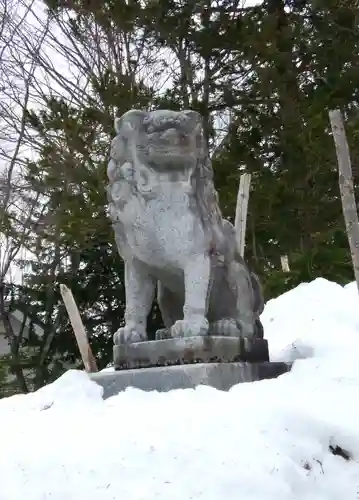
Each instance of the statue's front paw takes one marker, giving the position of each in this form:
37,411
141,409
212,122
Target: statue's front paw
128,335
191,327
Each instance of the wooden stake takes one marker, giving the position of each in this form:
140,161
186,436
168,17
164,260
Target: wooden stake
285,263
241,212
79,329
346,187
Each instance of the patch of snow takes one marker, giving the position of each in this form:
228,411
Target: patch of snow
319,318
260,441
108,369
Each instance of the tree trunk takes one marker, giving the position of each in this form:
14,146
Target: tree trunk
292,134
13,343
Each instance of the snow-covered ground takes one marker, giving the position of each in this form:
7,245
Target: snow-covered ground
268,440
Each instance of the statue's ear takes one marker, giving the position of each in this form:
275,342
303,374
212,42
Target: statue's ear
129,121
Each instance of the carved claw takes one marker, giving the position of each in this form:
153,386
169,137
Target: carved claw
128,335
191,327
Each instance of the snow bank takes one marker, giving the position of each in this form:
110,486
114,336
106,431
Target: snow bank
260,441
320,318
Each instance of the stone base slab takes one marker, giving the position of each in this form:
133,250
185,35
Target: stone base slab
221,376
191,350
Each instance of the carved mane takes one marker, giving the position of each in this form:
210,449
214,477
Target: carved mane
207,200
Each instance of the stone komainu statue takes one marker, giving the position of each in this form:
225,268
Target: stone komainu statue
170,232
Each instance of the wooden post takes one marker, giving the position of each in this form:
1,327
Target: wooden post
285,263
79,329
346,187
240,221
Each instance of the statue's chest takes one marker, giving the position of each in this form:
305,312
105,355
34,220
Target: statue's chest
163,232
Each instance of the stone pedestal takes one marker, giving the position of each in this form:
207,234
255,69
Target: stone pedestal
191,350
221,376
184,363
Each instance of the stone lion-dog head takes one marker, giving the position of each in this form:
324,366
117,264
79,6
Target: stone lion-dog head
163,146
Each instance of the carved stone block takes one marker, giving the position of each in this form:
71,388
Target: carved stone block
180,351
221,376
